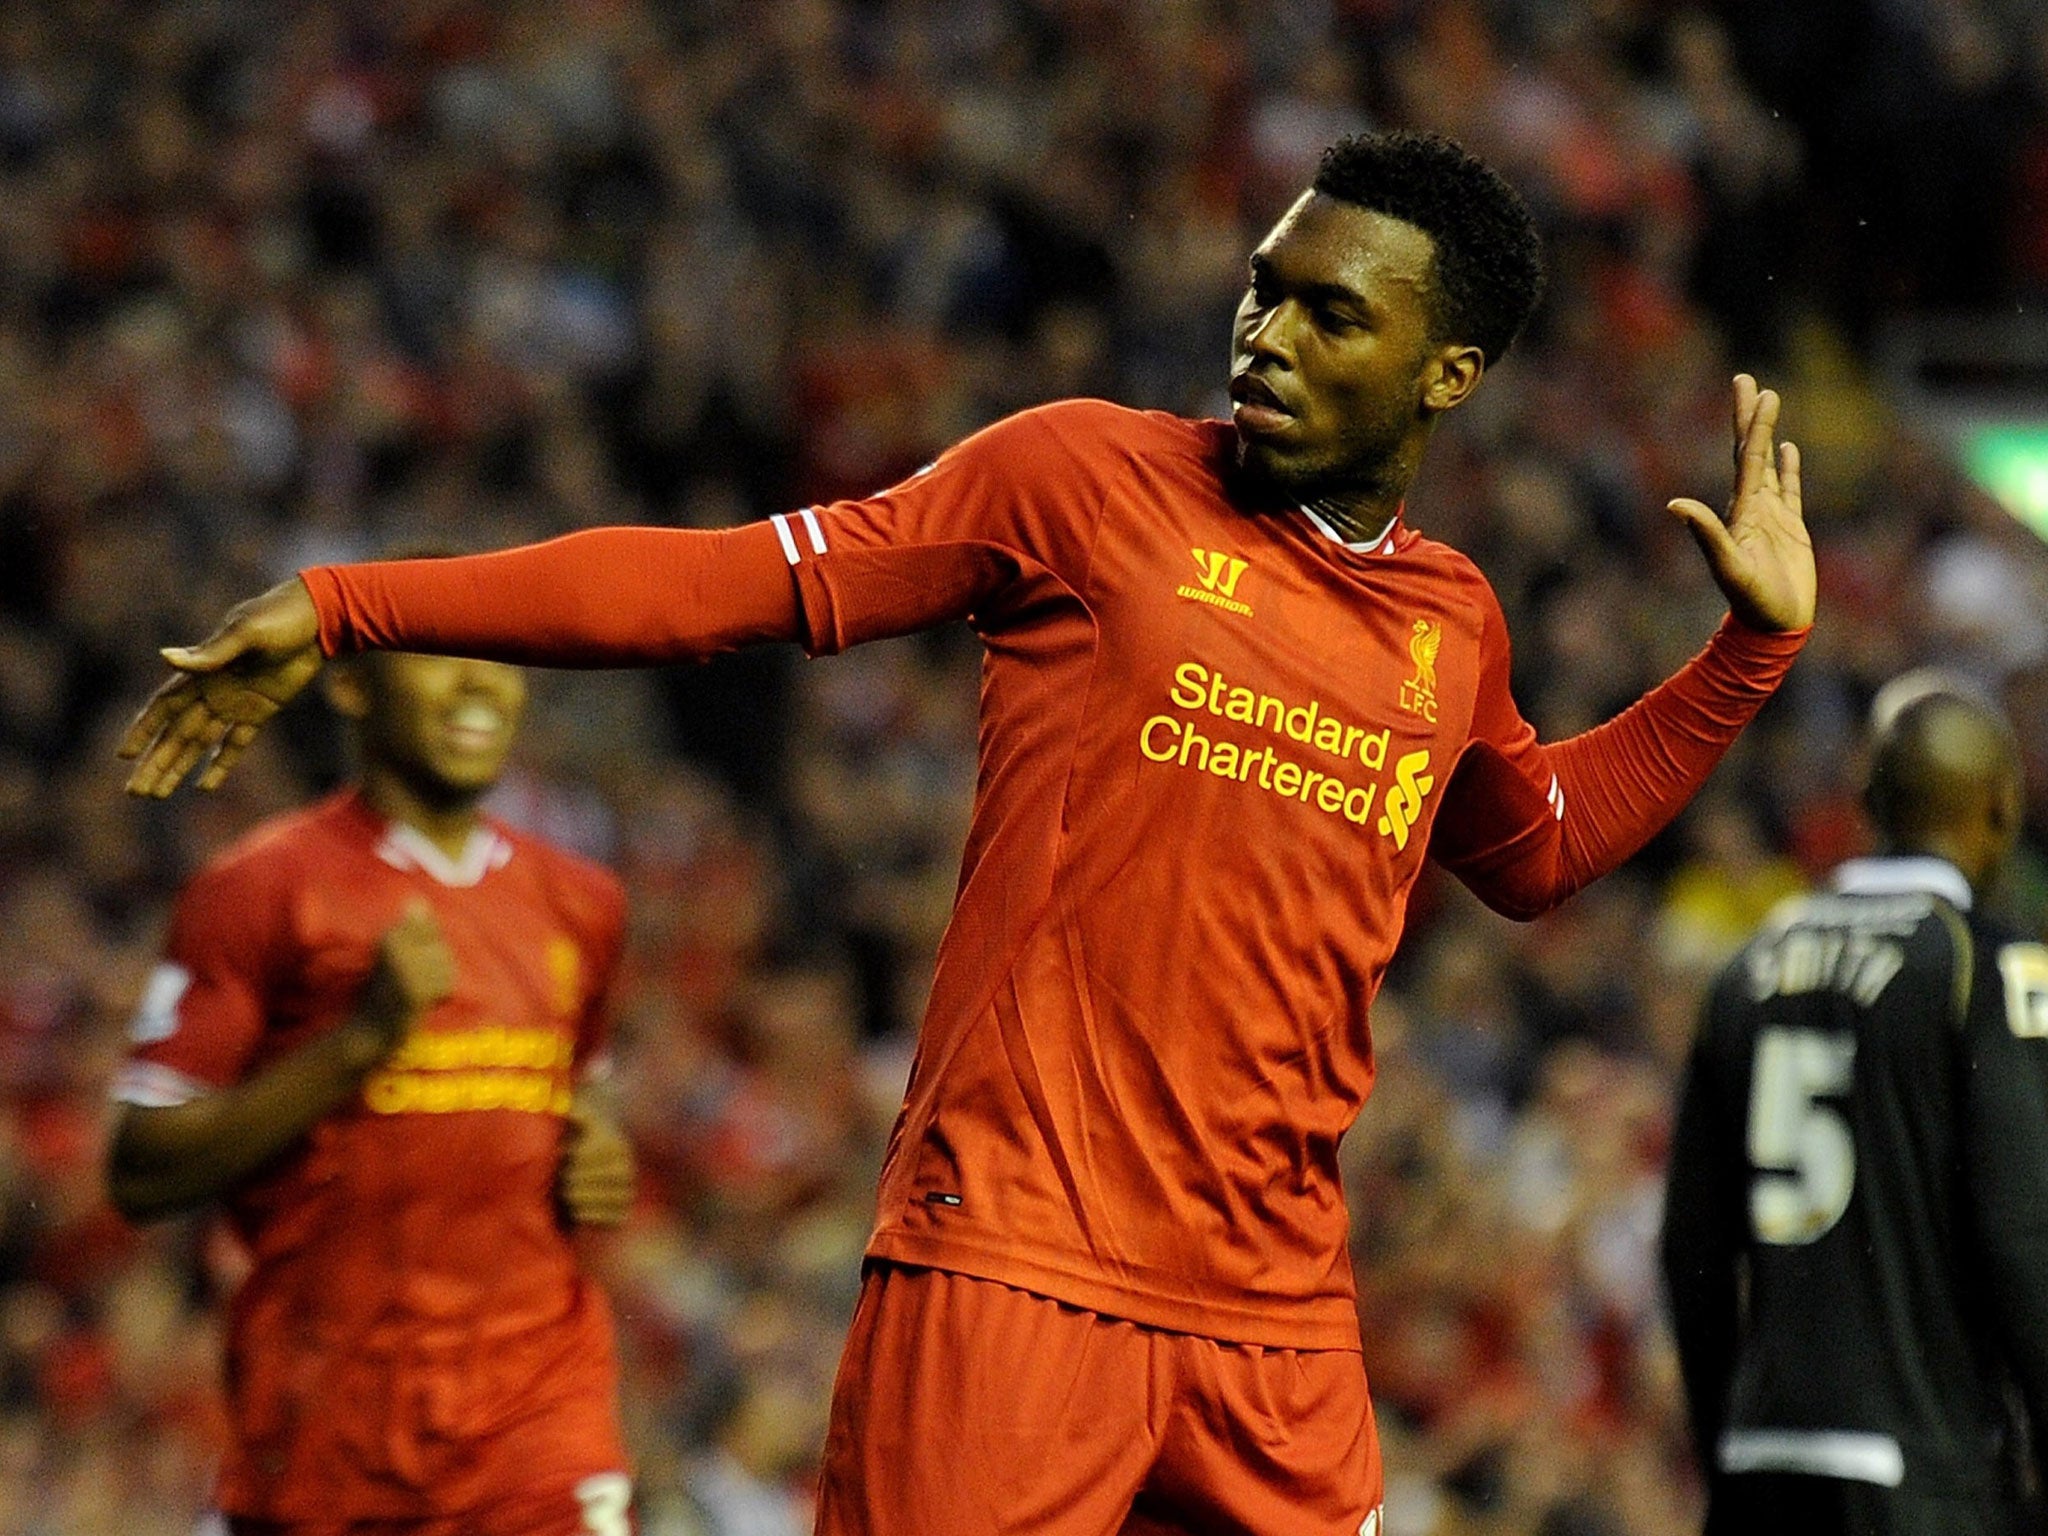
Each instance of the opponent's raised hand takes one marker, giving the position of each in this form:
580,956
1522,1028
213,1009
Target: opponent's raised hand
222,690
1760,553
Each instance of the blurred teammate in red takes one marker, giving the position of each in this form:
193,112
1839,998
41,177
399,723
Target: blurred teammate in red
372,1037
1230,700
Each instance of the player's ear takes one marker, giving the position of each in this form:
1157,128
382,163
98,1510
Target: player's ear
348,691
1451,375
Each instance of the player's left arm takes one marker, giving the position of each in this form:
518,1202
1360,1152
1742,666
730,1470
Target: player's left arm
1525,823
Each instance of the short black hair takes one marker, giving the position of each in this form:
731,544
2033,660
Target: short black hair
1934,761
1489,258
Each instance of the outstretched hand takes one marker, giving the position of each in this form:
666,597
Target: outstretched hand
223,690
1760,554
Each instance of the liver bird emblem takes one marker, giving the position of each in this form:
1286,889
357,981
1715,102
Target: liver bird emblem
1427,640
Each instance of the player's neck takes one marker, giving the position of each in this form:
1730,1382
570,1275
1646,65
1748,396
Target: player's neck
1362,509
1355,523
444,817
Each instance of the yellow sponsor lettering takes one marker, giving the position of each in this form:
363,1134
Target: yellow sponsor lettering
1175,739
1308,722
490,1045
441,1093
1404,801
1166,724
1300,723
387,1092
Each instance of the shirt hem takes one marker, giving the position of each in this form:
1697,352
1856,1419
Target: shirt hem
1323,1323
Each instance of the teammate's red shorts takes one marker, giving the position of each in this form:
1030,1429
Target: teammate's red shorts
967,1408
595,1506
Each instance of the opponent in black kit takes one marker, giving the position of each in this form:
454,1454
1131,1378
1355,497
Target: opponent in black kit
1856,1228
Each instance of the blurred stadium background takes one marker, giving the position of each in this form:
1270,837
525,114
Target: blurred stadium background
281,283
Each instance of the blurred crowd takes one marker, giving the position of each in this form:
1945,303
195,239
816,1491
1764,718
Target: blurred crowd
281,284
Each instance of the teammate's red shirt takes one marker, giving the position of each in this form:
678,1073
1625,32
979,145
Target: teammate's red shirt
1215,744
413,1300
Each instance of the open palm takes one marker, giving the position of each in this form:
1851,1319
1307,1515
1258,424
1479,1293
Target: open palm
1760,553
222,690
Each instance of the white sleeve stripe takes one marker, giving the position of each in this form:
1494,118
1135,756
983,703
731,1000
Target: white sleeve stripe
150,1085
1556,797
782,532
817,533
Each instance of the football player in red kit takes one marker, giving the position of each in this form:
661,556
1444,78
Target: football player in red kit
1231,699
372,1038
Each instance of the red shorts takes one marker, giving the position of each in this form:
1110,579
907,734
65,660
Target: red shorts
595,1506
967,1408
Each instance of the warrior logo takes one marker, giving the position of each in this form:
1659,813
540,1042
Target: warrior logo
1218,573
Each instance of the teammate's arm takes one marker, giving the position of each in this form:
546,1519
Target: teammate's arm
1701,1249
168,1158
2004,1075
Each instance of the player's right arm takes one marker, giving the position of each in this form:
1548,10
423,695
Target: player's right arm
979,533
169,1157
1704,1231
2004,1076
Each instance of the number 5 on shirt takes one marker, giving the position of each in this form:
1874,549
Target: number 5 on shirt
1801,1148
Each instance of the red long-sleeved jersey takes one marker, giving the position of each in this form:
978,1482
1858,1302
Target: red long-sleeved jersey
1215,745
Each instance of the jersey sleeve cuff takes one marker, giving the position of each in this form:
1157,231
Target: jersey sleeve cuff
323,585
1746,639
